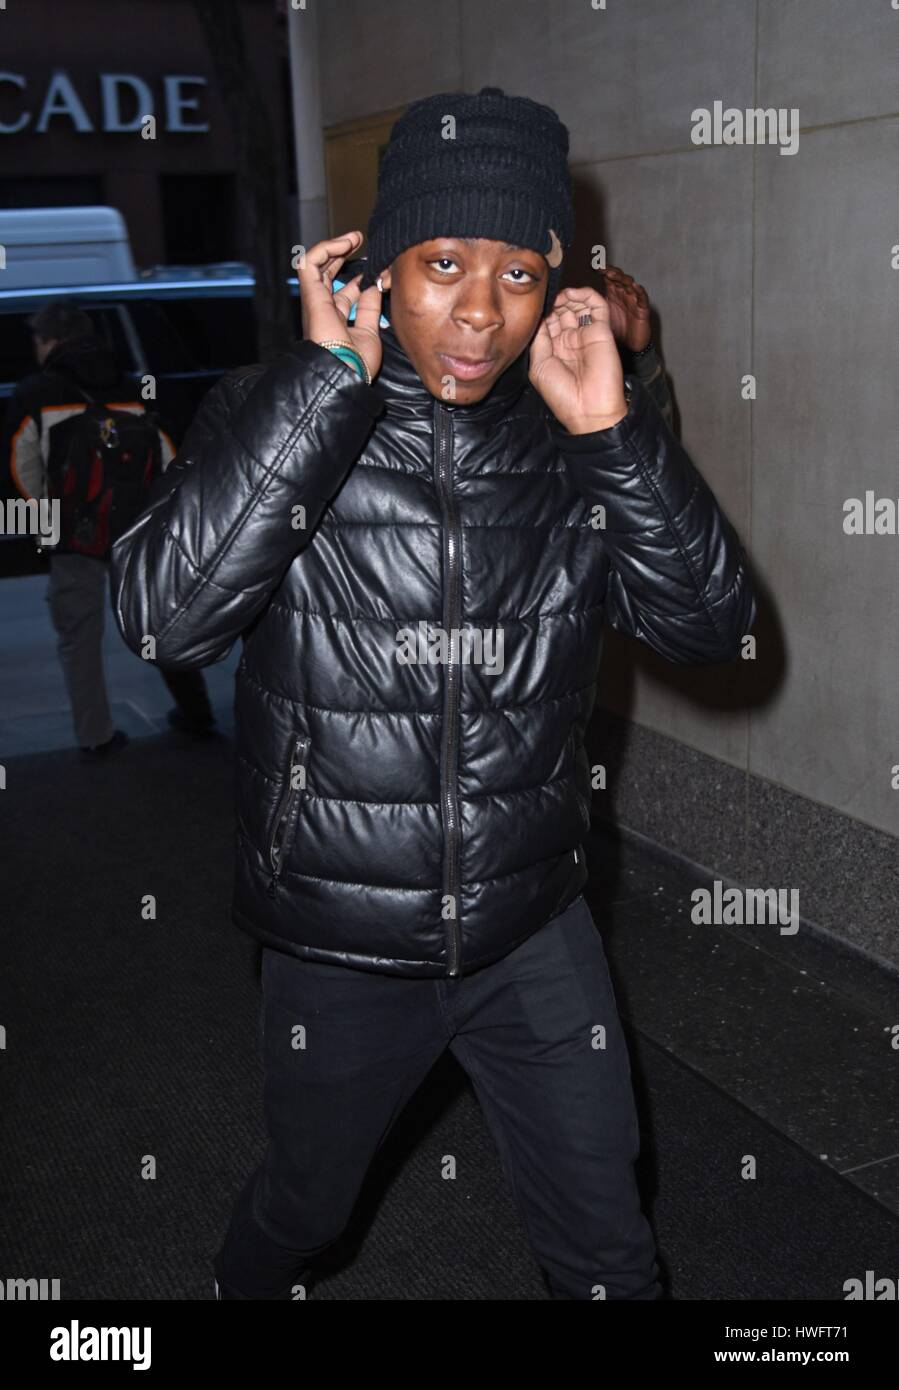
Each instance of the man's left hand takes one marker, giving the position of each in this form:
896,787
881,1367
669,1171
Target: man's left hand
577,370
629,308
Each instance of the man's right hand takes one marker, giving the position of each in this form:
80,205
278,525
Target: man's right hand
324,314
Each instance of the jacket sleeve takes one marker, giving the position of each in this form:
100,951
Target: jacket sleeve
22,448
218,533
678,577
650,369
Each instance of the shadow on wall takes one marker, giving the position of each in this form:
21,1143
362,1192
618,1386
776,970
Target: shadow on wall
730,687
589,213
724,687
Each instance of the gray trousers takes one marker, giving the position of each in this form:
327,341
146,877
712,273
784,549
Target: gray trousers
77,594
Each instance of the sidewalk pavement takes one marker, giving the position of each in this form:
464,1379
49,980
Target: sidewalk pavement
34,710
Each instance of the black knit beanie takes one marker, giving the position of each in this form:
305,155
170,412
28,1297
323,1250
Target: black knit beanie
499,169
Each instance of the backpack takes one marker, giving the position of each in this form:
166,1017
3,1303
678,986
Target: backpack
111,460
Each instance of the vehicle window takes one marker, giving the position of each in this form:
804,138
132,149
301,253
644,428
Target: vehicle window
17,359
218,333
163,345
108,325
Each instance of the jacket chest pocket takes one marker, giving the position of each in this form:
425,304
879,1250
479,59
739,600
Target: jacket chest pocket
287,811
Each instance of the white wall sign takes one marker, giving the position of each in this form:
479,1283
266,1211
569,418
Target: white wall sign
125,101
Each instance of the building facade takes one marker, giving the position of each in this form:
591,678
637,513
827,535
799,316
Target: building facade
121,105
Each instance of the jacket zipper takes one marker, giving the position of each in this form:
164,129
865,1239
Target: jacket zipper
449,795
288,807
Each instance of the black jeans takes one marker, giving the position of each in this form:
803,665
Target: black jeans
345,1049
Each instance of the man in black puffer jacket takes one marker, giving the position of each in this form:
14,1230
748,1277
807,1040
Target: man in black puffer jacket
419,532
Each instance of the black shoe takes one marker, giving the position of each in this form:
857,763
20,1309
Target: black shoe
187,725
100,750
224,1291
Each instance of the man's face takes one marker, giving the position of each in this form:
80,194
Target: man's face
459,301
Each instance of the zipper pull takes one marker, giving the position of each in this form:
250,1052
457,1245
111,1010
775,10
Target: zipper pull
298,756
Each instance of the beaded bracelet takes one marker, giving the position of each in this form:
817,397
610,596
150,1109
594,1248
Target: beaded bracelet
347,353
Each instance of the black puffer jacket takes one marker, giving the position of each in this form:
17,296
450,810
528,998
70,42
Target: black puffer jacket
417,819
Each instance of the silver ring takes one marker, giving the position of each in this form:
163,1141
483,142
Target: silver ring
584,319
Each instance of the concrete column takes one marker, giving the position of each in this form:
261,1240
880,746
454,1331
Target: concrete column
302,30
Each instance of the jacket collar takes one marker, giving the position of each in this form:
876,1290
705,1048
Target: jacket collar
405,394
